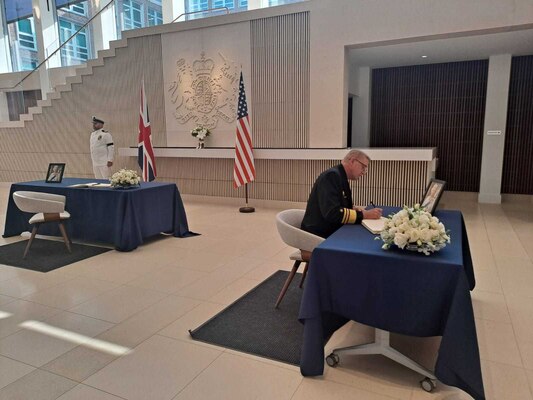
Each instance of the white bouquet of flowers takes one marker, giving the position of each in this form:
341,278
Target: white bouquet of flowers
413,228
200,132
124,178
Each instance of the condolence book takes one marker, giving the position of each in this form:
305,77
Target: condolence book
91,185
374,225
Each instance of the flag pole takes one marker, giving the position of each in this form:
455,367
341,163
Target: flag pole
246,209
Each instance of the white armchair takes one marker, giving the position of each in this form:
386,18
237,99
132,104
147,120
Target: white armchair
47,208
288,223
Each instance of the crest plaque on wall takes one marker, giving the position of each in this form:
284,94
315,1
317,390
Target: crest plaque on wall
205,91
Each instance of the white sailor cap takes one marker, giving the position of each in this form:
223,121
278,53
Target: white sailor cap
98,120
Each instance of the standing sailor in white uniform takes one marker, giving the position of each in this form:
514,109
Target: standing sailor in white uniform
102,150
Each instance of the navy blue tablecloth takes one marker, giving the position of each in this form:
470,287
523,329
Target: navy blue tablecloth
351,278
123,218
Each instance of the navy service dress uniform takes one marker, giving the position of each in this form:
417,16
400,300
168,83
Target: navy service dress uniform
330,204
102,151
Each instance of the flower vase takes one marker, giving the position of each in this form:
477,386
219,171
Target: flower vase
201,144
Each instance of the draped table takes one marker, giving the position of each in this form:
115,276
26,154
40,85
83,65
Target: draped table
122,218
351,278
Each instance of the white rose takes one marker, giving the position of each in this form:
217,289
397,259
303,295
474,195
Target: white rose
400,240
414,235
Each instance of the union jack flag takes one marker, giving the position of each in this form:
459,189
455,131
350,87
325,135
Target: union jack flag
243,169
146,158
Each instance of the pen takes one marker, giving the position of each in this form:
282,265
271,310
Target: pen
372,204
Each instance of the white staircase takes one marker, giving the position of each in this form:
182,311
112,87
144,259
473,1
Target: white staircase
67,86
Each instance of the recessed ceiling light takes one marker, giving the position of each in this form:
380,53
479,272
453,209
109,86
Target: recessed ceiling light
424,56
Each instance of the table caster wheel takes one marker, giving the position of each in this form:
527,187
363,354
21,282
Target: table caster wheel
332,360
428,384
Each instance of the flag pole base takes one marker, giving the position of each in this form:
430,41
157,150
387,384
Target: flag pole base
247,209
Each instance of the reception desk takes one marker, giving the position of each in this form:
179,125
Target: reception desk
396,176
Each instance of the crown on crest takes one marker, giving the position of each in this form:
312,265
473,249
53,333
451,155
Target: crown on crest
203,66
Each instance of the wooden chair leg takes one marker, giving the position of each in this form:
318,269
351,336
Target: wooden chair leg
65,237
288,282
304,275
33,233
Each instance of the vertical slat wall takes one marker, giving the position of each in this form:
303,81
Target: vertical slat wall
387,182
436,105
517,175
280,81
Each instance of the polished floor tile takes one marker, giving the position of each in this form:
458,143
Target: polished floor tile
11,370
233,377
158,369
84,392
37,385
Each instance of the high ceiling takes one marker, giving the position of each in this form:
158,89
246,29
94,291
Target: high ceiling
444,50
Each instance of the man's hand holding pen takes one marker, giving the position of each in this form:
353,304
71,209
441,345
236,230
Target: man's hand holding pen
372,212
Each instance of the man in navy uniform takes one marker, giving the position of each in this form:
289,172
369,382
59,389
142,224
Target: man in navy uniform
102,150
330,203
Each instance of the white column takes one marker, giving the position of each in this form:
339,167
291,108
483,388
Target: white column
104,26
172,9
46,31
494,128
4,109
361,108
5,51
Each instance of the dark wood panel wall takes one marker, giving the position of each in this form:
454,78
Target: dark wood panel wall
517,174
435,105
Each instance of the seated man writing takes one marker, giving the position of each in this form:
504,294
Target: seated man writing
330,203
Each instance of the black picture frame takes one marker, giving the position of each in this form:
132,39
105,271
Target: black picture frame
55,173
432,195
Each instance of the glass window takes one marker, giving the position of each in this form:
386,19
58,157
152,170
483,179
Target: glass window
132,15
203,5
80,8
155,17
26,34
223,3
76,50
198,5
27,63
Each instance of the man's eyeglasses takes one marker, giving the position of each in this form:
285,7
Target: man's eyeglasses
365,166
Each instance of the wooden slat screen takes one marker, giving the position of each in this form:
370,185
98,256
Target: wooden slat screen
392,183
517,175
280,81
436,105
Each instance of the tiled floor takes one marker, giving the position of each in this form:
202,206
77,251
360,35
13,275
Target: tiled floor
139,306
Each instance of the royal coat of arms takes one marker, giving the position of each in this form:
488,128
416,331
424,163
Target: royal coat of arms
204,91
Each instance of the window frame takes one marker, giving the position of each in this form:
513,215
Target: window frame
32,34
73,50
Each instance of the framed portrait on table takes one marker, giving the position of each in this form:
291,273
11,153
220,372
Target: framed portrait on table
55,173
432,196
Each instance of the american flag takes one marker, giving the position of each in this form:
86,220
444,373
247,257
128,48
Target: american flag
244,169
146,157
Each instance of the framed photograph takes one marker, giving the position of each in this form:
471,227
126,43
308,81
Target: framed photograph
55,173
432,196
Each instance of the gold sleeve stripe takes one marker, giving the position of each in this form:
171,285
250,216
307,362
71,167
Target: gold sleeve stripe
348,216
343,211
352,216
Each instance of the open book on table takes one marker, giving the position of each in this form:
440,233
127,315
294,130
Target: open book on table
374,225
91,185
